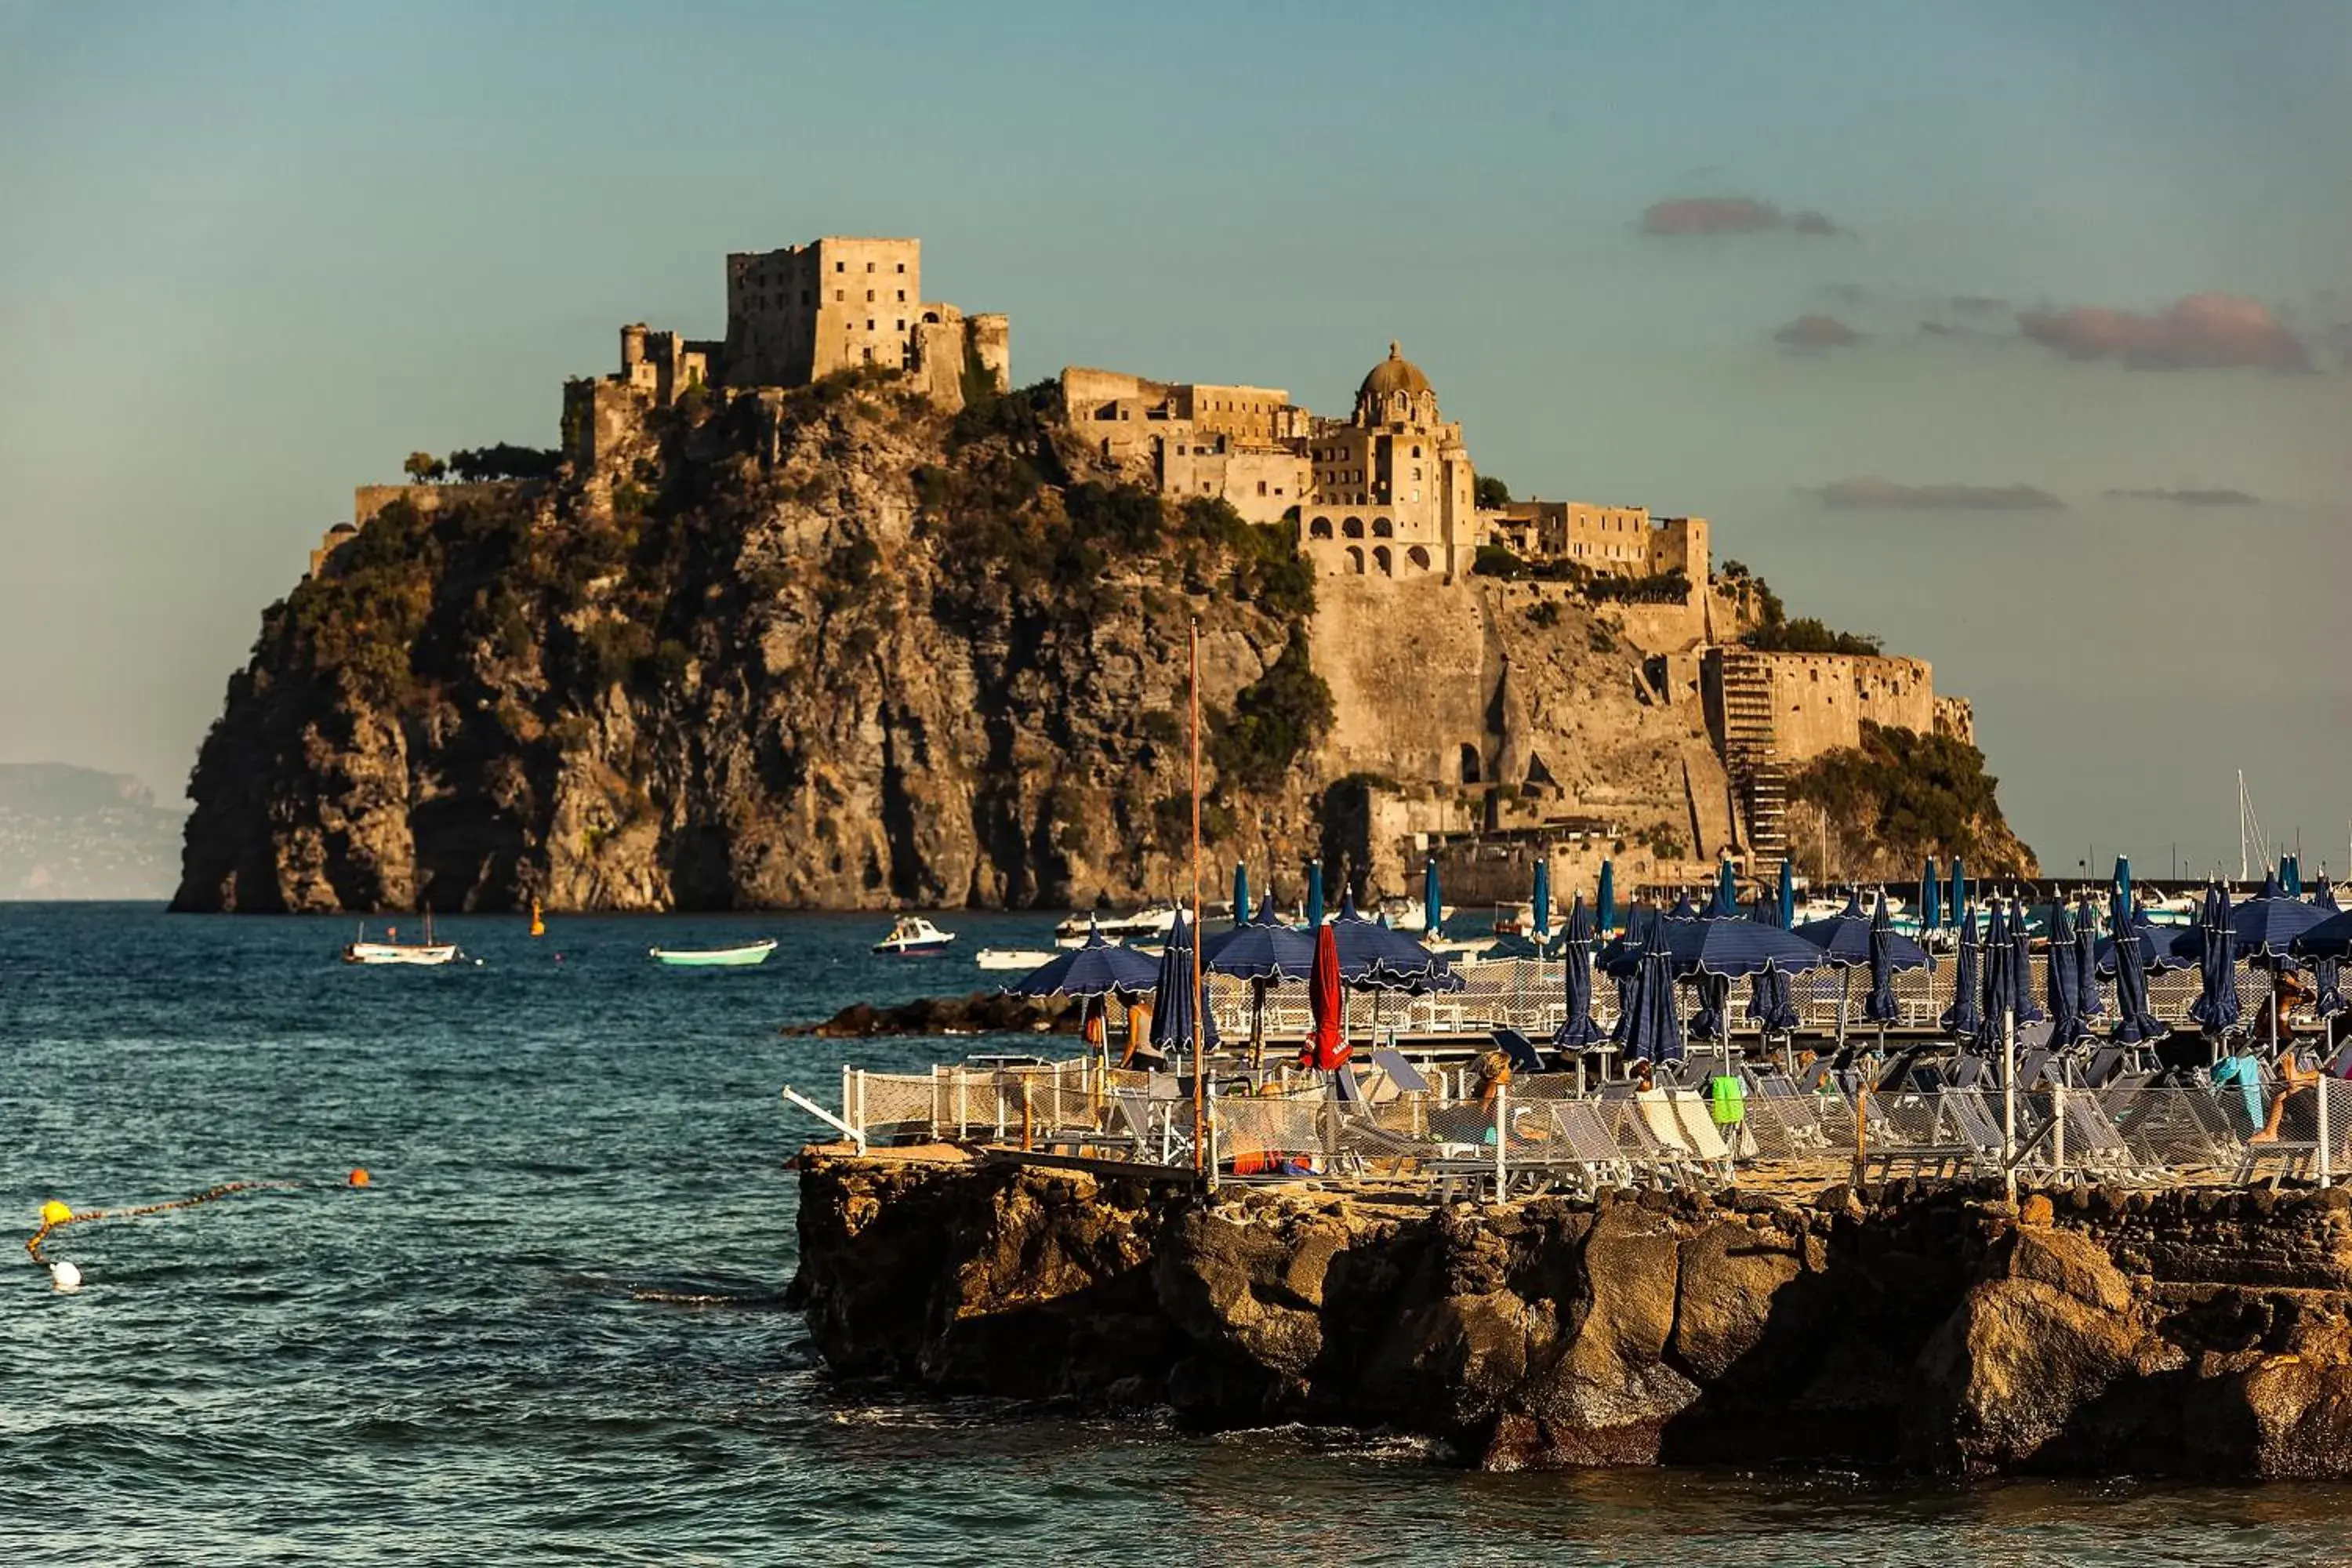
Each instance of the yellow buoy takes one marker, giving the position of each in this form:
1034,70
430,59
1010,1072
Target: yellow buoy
359,1176
55,1212
538,926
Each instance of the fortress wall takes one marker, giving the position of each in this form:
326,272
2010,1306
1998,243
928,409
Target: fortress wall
1406,664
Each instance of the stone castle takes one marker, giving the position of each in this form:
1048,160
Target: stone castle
1383,502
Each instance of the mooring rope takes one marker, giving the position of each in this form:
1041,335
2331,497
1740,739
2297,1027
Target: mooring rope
56,1215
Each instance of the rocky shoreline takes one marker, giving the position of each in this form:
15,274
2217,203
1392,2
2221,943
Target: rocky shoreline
1942,1330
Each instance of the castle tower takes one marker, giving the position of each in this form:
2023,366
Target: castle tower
1394,490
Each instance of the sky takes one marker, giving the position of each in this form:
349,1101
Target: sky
2017,335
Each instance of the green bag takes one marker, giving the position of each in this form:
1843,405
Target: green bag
1727,1100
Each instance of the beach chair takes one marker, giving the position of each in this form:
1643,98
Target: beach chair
1407,1078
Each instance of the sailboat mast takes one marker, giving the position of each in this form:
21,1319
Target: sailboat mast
1199,1079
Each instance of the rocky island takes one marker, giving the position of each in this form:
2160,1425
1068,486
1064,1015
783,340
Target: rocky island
2200,1332
826,614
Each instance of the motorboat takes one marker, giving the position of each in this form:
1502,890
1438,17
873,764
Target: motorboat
911,935
392,950
1152,924
1021,958
739,957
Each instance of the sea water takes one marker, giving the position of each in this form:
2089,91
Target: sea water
549,1330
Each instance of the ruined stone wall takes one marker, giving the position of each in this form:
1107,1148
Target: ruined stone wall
1820,699
1411,684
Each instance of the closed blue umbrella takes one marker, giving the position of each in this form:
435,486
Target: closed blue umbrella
2000,980
1844,941
2136,1022
1578,1030
1959,898
1964,1019
2021,958
2216,1007
1651,1027
1771,1005
2326,971
1605,905
2065,985
1240,892
2123,882
1788,894
1931,903
1726,891
1314,893
1881,1006
2291,875
1432,906
1174,1007
1541,922
2086,967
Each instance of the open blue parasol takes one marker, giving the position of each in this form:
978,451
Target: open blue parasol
1097,968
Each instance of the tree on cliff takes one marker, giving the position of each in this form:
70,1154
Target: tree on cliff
1491,493
424,469
1905,795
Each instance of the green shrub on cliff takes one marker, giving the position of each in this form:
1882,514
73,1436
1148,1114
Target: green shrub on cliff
1807,634
1275,720
1911,794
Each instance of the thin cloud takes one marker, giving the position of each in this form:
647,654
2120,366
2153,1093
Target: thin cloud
1978,304
2202,332
1689,215
1870,493
2189,496
1814,333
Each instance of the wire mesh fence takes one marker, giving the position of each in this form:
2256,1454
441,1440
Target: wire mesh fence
1541,1133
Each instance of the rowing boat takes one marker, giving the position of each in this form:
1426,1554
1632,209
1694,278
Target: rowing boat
716,957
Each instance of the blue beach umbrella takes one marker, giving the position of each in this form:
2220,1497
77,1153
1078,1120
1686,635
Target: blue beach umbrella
2325,971
1726,891
2122,881
1314,893
2086,967
2065,985
1881,1006
2021,958
1374,958
1432,906
1540,923
1931,903
1578,1030
2152,942
1959,898
1262,948
2291,875
1240,891
1844,941
1964,1019
2135,1022
1684,909
1788,894
1604,915
1650,1028
1771,1005
2216,1007
1098,968
1999,979
1172,1010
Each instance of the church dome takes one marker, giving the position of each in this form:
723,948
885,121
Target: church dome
1394,374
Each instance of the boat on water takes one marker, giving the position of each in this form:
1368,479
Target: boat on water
716,957
1151,924
392,950
912,934
1024,958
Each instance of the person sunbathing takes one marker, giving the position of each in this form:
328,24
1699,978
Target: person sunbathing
2296,1079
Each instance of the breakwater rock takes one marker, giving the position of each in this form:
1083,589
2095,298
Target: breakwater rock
977,1013
2180,1332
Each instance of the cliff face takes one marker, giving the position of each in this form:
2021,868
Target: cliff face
825,647
2172,1333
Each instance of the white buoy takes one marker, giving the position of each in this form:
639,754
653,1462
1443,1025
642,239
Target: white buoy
65,1277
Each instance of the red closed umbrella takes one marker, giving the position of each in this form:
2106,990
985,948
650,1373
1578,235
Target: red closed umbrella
1327,1043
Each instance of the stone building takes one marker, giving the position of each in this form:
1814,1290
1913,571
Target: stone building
806,312
1243,445
1393,489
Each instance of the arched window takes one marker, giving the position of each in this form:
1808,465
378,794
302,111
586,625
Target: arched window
1381,558
1416,452
1419,556
1383,529
1320,528
1469,763
932,317
1352,529
1356,559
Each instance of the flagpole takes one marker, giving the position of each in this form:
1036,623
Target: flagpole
1200,1081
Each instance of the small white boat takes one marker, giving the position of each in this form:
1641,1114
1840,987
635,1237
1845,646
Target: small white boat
392,950
1022,958
1152,924
912,934
716,957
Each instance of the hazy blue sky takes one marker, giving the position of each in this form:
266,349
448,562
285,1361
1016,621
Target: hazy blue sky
1842,278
